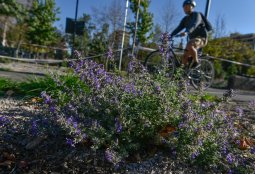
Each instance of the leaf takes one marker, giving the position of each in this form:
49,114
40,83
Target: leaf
167,130
36,100
245,144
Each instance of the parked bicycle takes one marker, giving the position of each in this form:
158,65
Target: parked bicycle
201,76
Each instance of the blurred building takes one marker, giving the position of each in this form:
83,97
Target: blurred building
246,38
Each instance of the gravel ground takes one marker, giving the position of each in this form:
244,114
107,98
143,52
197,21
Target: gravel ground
20,152
31,68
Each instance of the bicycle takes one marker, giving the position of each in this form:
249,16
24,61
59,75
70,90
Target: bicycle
201,76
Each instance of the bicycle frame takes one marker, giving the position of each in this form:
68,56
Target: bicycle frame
166,59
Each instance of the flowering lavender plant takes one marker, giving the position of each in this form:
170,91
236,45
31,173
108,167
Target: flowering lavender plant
125,115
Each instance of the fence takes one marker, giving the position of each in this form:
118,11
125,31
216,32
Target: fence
8,53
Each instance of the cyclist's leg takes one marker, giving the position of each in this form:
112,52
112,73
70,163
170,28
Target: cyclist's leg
197,43
190,52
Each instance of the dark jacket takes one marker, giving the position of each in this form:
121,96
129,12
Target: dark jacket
194,26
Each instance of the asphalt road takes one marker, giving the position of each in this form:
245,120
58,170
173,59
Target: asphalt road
240,95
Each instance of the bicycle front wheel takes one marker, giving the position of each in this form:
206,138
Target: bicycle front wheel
202,77
157,64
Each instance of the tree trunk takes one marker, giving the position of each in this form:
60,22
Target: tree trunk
4,43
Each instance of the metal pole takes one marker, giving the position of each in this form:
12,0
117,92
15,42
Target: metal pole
207,9
74,29
136,21
123,35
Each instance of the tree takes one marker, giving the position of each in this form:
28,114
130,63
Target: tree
40,22
157,33
9,8
145,21
229,49
169,15
113,15
83,42
220,26
99,43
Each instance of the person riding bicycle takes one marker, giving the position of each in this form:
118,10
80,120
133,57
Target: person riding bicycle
195,29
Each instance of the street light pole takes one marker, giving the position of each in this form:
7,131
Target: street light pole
74,29
207,9
123,35
136,23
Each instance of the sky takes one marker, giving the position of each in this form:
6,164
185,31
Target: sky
239,15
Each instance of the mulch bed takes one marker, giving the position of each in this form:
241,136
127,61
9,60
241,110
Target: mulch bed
21,152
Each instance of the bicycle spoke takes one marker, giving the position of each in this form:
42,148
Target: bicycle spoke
156,64
203,76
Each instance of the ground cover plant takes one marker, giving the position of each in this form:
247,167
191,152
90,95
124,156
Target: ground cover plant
128,116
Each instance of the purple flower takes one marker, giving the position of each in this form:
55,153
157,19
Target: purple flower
52,108
127,88
3,120
240,112
200,142
238,143
70,142
230,158
194,155
174,153
224,149
252,104
47,98
108,79
84,136
118,125
109,155
100,71
78,131
110,54
75,125
209,126
163,141
161,49
77,54
131,66
69,120
34,127
181,125
253,150
158,88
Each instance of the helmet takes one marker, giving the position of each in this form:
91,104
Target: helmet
190,2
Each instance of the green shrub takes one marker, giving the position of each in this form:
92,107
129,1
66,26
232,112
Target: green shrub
251,71
129,115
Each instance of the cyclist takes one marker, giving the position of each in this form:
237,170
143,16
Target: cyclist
195,29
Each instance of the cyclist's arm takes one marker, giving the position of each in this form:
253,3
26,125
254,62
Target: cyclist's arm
179,28
196,20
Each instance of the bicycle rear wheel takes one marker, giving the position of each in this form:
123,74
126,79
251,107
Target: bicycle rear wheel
202,77
155,64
